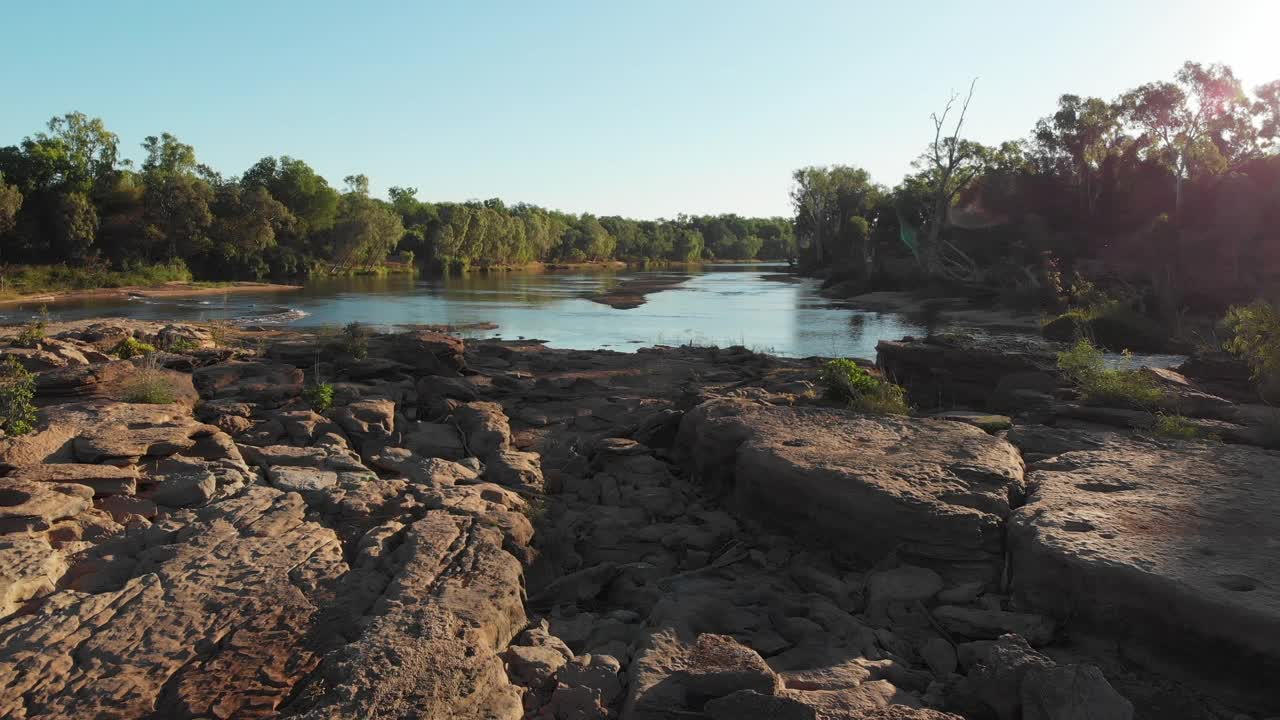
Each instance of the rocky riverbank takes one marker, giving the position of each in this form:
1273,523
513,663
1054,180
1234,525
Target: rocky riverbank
503,530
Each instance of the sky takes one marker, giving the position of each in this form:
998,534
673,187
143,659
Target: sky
643,109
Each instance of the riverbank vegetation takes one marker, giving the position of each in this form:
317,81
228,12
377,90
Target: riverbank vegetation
1165,199
68,199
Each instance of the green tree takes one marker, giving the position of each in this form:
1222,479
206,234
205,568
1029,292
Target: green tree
76,225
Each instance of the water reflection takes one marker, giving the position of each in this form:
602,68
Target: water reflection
752,305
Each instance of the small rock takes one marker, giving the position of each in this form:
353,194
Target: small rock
961,594
719,665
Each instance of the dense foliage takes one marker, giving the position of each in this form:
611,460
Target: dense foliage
66,196
1172,188
17,396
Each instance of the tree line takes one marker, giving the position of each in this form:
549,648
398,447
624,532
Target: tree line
1173,187
66,196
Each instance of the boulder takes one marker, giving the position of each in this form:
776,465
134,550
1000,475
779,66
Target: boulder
426,351
515,469
718,665
532,667
989,422
258,382
936,492
185,489
600,673
485,426
1016,682
946,371
369,423
1161,547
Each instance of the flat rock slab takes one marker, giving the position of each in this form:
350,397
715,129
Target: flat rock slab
215,626
1173,549
937,492
104,479
27,506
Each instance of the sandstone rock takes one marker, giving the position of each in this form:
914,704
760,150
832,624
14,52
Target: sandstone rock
429,471
104,479
1071,692
752,705
312,484
185,490
515,469
429,353
214,625
575,703
939,655
35,507
533,667
259,382
29,568
718,665
368,423
936,492
440,440
984,421
430,648
907,584
979,624
1160,548
961,594
578,586
1016,682
950,371
485,426
600,673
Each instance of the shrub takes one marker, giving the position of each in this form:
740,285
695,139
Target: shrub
17,391
1255,338
355,340
183,345
151,387
844,381
1084,366
318,396
1177,427
33,332
132,347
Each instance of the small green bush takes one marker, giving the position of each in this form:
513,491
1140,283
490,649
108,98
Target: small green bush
183,345
132,347
355,340
151,387
17,393
318,396
33,332
1083,365
1177,427
844,381
1255,338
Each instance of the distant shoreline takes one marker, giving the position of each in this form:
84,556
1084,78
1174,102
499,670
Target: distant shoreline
170,289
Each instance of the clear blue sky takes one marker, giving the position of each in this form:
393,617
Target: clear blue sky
644,109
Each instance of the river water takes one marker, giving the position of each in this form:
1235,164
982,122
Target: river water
758,306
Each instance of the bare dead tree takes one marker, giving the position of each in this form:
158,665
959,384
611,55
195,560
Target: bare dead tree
948,155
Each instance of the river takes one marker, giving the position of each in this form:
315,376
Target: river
758,306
